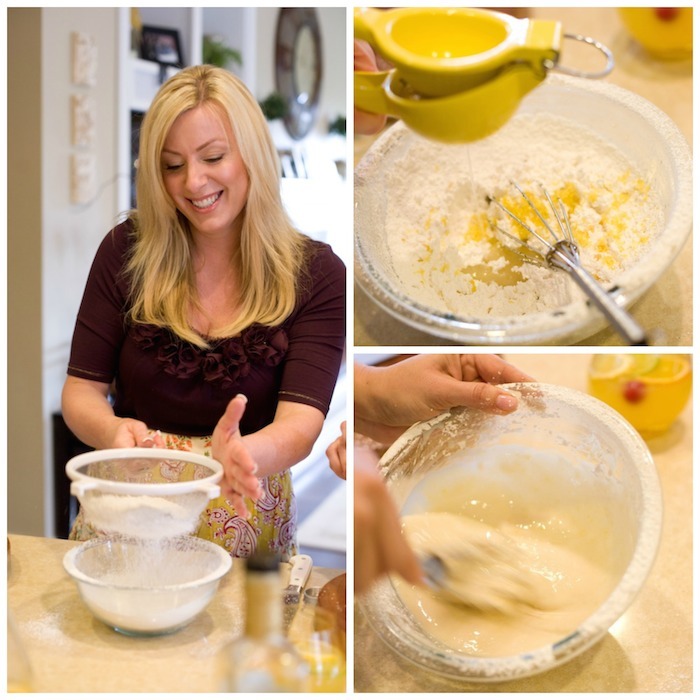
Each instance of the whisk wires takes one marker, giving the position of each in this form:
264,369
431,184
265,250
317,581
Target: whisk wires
562,243
562,252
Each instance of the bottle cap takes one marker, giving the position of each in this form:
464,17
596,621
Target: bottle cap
263,561
311,595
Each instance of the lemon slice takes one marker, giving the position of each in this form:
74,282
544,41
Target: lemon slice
610,366
644,364
668,369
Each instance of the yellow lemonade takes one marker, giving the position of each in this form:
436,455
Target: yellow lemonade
317,637
665,32
649,390
326,663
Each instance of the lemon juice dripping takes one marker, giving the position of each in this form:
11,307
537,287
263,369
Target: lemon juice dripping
505,273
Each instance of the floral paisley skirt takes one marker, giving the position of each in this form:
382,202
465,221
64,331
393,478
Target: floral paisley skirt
272,523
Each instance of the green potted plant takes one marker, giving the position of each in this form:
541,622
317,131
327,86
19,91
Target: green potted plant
216,53
338,126
274,106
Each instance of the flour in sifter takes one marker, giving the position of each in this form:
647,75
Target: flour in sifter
144,517
439,224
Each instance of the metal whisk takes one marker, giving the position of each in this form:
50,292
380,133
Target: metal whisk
561,252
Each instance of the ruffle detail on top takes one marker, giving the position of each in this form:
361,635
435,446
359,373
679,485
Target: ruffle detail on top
224,362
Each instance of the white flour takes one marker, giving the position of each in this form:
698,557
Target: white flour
46,630
148,586
146,517
438,222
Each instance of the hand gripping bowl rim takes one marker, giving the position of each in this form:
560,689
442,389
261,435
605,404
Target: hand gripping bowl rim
592,629
82,482
223,567
579,319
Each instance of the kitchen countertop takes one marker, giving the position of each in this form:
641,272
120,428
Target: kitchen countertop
649,649
71,651
667,306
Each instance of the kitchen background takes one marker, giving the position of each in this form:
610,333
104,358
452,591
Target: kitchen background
75,86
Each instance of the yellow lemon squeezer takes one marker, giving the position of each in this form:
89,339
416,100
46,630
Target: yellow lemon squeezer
458,74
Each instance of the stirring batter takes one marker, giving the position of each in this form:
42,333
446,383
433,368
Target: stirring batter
561,564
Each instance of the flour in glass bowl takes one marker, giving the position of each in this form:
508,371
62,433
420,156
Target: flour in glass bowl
439,224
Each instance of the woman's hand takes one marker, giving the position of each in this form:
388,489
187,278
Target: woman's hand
228,448
365,60
390,399
90,416
336,453
380,546
129,432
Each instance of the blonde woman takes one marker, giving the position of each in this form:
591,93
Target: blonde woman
220,327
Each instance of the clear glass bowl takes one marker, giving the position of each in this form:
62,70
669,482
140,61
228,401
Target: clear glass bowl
643,133
582,433
147,587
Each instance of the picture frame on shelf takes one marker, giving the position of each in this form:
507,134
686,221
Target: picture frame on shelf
161,45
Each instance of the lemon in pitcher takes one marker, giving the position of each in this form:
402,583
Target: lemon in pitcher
649,390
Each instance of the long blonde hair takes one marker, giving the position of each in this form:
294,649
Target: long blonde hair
270,257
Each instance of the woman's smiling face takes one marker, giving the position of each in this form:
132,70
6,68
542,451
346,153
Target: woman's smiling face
204,173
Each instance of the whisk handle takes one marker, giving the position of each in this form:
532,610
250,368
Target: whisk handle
622,322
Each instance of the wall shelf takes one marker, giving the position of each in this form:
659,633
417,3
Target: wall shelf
139,80
146,78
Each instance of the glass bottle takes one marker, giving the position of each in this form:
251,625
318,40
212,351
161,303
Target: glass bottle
262,660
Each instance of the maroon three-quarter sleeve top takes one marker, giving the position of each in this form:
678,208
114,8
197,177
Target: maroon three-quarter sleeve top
173,386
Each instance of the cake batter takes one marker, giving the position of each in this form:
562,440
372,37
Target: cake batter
554,564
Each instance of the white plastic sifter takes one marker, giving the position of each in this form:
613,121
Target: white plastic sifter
147,493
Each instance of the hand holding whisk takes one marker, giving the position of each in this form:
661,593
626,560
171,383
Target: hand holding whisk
561,252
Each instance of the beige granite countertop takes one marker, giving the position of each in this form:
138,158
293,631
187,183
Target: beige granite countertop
667,306
70,651
649,649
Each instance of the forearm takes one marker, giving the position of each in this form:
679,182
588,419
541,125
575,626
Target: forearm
368,393
286,441
87,411
383,401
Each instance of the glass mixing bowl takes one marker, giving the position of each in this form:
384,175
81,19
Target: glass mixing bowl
144,492
645,135
147,587
601,457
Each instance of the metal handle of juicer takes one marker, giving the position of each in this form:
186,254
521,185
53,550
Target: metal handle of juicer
609,59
